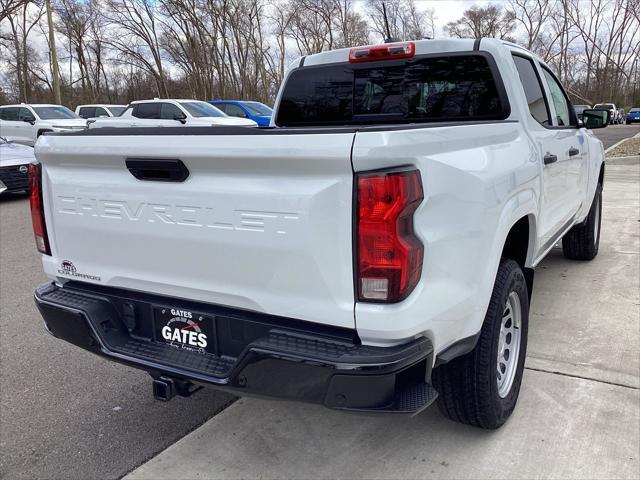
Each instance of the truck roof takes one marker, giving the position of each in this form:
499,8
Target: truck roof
153,100
101,105
423,47
33,105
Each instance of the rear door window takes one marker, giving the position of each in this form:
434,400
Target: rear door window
147,110
442,88
9,114
533,90
87,112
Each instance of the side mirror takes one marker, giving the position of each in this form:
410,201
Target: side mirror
29,119
595,118
181,117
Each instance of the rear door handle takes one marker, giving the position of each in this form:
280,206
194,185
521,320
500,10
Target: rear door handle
549,158
573,151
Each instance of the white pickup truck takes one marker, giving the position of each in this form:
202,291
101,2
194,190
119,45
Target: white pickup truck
372,251
169,113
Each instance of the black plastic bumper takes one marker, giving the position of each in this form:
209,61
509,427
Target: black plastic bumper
254,354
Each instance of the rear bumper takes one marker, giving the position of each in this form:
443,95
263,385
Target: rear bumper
254,354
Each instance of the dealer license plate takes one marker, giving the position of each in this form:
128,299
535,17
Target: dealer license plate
184,329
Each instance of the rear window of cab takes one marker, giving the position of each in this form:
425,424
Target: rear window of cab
454,87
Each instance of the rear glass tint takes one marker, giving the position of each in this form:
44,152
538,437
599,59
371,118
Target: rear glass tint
443,88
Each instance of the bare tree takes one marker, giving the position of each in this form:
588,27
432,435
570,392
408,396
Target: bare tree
405,20
9,7
22,57
478,22
532,15
351,27
75,20
137,37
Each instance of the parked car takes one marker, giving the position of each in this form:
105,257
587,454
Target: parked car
14,166
633,115
25,123
99,110
170,113
579,109
378,259
256,111
614,114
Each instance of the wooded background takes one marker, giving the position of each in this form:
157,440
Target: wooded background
114,51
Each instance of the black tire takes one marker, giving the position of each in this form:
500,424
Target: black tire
468,385
582,241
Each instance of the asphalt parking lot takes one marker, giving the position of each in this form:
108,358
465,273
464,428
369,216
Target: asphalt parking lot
614,133
68,414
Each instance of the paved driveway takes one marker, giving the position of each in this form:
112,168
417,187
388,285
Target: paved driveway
578,414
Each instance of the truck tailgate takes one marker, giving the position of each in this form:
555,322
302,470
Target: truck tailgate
263,222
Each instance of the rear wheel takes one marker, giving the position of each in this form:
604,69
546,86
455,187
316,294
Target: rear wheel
582,241
481,388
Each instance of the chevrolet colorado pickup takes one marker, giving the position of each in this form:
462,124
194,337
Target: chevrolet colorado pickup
372,251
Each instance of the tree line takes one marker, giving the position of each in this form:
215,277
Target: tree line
114,51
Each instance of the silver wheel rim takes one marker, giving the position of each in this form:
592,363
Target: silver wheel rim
509,344
596,223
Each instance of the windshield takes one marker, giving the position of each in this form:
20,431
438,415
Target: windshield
116,111
202,109
603,106
258,108
580,108
635,109
54,113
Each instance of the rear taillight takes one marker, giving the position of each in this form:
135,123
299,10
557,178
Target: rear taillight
37,208
389,256
387,51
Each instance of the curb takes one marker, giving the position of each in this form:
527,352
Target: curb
629,160
637,135
616,144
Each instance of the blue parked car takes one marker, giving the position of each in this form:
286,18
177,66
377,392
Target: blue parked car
633,115
256,111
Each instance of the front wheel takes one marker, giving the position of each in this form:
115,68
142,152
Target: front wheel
582,241
481,388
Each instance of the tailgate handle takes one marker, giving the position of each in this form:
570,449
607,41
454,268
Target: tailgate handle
157,170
